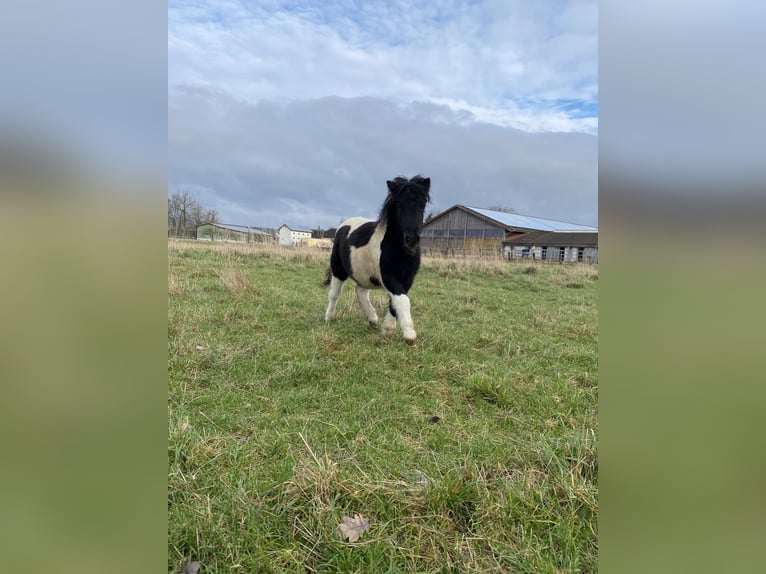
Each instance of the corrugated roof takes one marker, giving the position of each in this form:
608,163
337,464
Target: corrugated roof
233,227
518,221
298,228
557,238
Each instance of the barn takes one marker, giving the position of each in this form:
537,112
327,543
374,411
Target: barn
560,246
463,230
231,233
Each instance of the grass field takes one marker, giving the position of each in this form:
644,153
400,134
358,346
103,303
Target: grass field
474,451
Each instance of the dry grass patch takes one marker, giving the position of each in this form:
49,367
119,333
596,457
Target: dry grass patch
233,280
176,286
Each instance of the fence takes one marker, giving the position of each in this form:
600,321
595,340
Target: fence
181,233
220,235
550,256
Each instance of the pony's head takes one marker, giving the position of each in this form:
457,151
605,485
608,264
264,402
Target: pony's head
405,206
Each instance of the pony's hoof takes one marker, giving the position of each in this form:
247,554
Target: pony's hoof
410,342
373,323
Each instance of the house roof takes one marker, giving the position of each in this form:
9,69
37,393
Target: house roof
297,228
519,221
556,239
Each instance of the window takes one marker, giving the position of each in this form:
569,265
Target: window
580,253
545,252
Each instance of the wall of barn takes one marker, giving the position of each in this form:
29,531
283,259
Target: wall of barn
552,253
462,232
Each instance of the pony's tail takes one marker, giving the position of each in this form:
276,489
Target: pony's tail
328,278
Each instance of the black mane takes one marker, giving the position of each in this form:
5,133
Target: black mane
397,188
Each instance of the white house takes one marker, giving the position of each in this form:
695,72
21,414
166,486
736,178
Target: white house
293,235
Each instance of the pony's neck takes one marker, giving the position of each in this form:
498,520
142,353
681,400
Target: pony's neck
392,232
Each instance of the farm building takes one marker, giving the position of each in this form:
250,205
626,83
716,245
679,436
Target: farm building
325,244
232,233
561,246
293,235
461,229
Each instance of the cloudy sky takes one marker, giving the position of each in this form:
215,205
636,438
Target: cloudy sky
298,111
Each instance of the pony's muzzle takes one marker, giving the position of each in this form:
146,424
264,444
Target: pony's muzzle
411,241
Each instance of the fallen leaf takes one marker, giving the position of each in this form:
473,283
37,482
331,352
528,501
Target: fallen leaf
352,528
200,347
191,567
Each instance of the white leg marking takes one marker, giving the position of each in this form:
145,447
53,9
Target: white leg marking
401,304
364,300
336,287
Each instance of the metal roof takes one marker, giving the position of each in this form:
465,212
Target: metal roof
298,228
233,227
518,221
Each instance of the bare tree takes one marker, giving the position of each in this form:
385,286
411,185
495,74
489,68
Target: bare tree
199,215
181,209
185,212
211,216
431,215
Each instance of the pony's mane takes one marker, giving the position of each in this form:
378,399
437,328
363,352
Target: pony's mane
415,184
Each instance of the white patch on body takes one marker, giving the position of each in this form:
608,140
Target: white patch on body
365,261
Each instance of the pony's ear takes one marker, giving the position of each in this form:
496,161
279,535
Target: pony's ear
427,183
393,186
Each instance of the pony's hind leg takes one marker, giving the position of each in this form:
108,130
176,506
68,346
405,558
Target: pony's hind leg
389,323
336,287
364,300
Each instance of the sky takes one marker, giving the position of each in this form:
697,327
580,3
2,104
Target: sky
298,112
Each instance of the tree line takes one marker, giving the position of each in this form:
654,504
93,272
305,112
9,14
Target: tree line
185,212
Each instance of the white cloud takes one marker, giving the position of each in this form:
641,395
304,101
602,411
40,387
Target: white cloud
502,56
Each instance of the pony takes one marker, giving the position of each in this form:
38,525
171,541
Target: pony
382,254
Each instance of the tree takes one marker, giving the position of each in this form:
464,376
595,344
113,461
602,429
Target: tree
320,233
201,215
181,207
184,212
431,215
211,216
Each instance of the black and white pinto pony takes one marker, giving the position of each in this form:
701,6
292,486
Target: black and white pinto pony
382,254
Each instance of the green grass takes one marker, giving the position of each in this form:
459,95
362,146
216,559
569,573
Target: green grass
475,450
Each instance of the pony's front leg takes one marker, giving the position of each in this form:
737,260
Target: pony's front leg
336,287
400,309
364,300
